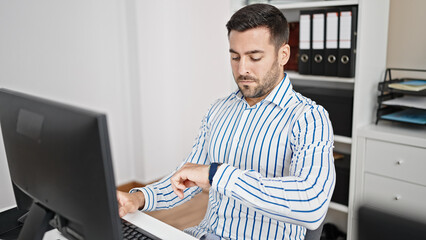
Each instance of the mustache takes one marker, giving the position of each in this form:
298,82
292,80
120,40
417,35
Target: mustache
245,77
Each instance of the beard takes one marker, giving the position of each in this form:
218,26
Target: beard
264,85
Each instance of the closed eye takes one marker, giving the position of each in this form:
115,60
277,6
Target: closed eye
255,59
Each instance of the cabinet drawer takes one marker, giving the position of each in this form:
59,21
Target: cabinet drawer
394,195
395,160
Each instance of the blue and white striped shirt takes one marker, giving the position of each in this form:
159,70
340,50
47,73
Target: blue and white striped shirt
277,174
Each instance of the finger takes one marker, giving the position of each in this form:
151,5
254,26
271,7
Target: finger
179,183
172,182
129,207
121,198
176,189
121,212
177,180
118,196
189,184
178,192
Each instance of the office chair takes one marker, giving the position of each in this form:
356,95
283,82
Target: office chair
314,234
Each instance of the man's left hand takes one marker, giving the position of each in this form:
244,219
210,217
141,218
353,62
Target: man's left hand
190,175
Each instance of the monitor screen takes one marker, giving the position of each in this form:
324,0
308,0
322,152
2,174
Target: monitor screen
376,223
59,156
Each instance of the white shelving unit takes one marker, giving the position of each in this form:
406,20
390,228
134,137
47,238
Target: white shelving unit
311,4
342,139
300,77
372,27
339,207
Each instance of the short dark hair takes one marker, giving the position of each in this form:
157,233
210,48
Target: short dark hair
261,15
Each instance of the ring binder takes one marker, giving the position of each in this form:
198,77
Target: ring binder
327,41
331,42
305,43
318,38
347,42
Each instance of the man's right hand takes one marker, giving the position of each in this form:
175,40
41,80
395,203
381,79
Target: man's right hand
129,202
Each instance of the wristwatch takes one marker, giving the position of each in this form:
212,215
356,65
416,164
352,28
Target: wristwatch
212,171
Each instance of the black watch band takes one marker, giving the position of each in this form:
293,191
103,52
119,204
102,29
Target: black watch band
212,171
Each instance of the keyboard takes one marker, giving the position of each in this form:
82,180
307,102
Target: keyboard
130,231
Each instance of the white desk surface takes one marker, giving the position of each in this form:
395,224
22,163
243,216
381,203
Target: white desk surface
142,220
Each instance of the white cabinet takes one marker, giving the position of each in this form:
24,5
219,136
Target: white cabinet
391,160
403,162
393,195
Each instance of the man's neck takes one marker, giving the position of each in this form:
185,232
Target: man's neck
253,101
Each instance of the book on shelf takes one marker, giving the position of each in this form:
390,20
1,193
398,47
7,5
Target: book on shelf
411,85
293,41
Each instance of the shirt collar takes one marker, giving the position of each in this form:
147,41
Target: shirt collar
279,95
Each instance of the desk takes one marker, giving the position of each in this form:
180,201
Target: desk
142,220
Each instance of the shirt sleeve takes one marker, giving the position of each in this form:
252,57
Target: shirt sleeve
302,197
160,195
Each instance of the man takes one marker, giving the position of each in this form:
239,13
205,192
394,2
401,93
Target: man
265,151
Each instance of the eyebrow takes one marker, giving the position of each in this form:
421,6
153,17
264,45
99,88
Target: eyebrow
248,52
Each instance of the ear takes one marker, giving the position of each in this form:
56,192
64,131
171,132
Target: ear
284,54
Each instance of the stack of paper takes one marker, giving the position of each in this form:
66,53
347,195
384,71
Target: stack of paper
415,116
408,101
412,85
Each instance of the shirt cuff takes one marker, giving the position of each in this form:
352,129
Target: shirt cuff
225,178
150,201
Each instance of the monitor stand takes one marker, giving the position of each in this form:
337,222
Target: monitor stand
36,223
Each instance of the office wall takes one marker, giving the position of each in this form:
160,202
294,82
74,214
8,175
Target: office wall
153,66
407,35
74,52
182,58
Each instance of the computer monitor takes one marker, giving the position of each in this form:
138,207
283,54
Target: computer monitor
59,156
376,224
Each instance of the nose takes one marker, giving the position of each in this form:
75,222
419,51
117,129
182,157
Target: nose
243,67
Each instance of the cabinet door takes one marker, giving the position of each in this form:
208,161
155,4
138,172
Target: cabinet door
394,195
397,161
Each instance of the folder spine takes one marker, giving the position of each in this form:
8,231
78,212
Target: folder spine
347,41
327,41
318,42
332,42
305,42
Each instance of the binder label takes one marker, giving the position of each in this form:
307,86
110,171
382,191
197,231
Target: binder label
345,29
305,32
318,31
332,30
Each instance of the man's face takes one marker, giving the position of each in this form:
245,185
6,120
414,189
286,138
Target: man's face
256,65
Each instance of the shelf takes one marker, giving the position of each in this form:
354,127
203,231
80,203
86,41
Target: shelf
395,133
296,75
342,139
312,4
338,207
